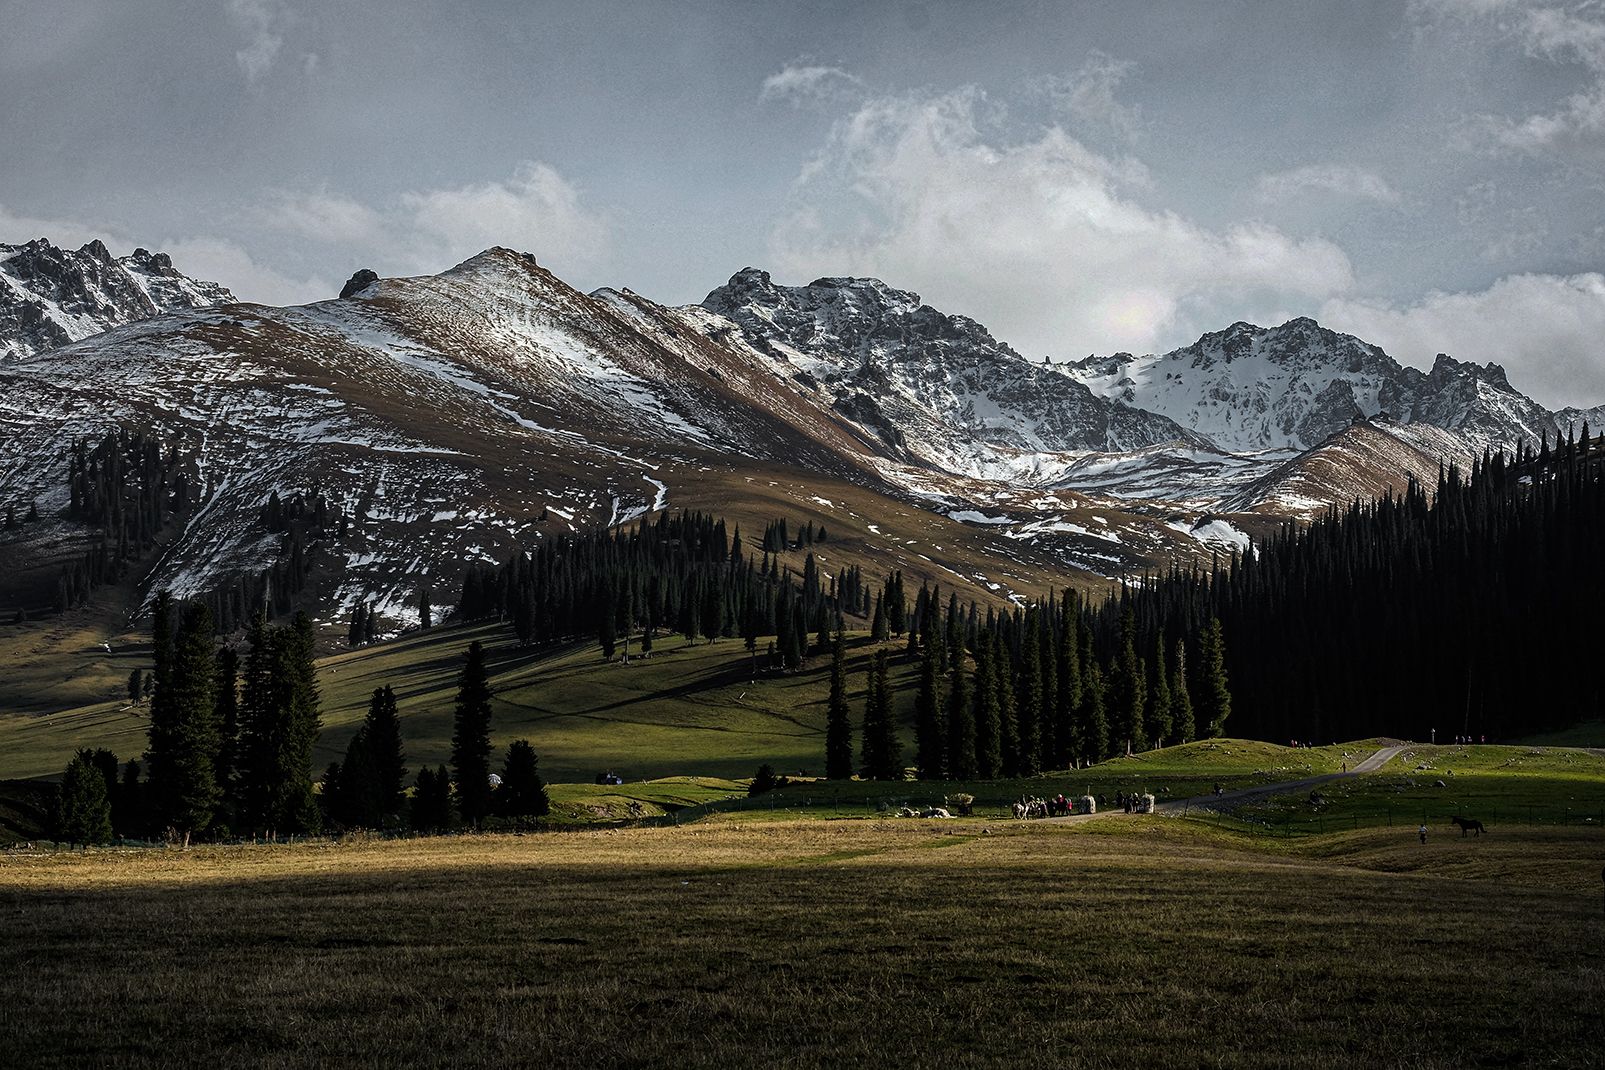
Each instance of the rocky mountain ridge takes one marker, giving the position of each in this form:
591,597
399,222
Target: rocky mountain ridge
1293,386
50,297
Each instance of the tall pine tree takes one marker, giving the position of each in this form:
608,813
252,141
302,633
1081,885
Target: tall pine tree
470,738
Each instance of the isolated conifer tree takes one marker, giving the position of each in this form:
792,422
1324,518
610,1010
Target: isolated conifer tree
83,808
838,724
1181,702
136,680
382,729
930,742
357,634
1214,696
470,739
961,764
426,613
370,623
522,792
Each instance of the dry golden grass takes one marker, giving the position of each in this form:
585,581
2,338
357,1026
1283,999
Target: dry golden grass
804,943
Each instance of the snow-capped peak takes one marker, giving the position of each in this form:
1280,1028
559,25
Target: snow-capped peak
51,296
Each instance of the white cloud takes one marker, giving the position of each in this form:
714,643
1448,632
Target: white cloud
1340,179
1089,95
15,229
426,231
800,82
225,261
1037,236
1573,35
1548,331
262,23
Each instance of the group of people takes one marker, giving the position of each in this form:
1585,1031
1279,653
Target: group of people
1466,741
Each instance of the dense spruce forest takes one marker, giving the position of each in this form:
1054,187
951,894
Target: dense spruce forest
1472,611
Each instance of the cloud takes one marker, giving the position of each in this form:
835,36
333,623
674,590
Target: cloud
1034,234
802,82
1340,179
1569,35
15,229
1546,330
1089,95
426,231
262,23
221,260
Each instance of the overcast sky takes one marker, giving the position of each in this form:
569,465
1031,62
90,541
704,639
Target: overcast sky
1080,177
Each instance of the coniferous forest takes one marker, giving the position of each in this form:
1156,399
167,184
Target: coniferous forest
1471,611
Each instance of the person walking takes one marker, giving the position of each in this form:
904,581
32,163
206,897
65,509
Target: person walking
1422,832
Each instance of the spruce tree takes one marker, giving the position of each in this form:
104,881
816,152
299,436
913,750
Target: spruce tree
1094,717
1214,696
83,813
988,718
470,739
300,661
838,724
1070,684
426,613
184,742
961,762
1008,720
1181,702
1128,686
382,729
1028,701
359,804
877,624
929,732
431,800
136,680
882,753
1159,714
522,792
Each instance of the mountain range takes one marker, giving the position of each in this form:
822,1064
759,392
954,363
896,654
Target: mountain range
456,416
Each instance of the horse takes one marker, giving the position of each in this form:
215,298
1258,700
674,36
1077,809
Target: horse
1467,824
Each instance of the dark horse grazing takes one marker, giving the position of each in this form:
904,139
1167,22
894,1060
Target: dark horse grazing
1467,824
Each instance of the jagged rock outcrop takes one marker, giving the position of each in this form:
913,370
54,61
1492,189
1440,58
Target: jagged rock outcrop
361,280
51,296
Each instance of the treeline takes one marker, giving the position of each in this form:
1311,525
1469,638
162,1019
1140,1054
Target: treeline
1472,611
681,573
230,751
1015,693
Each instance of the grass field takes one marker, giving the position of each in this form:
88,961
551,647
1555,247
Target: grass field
1119,942
689,710
1495,784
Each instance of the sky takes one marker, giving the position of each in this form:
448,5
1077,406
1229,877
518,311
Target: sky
1079,177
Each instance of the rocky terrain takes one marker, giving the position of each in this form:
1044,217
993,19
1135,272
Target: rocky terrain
453,417
50,296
